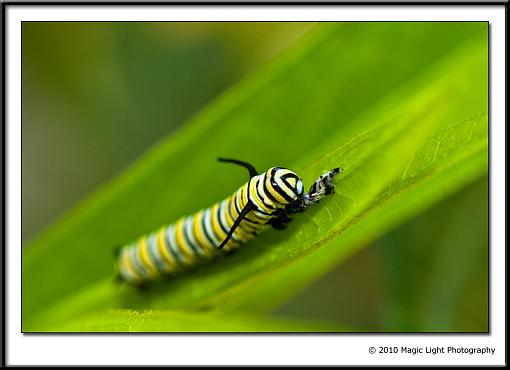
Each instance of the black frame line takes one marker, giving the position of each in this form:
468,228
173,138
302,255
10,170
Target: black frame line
262,3
7,4
369,333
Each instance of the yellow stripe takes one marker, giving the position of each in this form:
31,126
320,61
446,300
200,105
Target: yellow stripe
254,195
251,224
197,230
220,234
285,188
238,200
275,195
144,257
264,195
233,206
244,196
230,220
181,242
247,227
239,233
253,215
236,238
292,182
126,261
169,260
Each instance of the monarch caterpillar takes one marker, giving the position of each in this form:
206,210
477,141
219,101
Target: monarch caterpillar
268,198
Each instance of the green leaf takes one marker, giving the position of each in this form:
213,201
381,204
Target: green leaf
382,100
426,180
179,321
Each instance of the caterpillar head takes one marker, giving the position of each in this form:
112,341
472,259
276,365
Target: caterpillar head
283,185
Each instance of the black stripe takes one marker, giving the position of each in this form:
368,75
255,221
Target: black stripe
277,188
234,237
251,221
213,215
247,228
137,262
273,172
252,232
237,198
188,240
160,265
260,196
289,185
199,244
234,218
219,219
268,194
283,194
179,260
250,195
204,229
290,175
230,210
258,208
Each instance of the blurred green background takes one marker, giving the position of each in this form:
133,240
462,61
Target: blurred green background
97,95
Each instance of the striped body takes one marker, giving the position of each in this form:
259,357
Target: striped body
196,238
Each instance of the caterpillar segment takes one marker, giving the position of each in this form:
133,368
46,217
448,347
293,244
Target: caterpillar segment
267,198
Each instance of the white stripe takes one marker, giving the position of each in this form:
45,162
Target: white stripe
188,229
127,274
238,199
208,226
223,219
281,184
172,244
208,243
262,192
137,261
154,251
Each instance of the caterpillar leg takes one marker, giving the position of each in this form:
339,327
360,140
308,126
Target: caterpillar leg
280,221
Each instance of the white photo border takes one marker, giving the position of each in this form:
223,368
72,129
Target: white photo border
251,349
